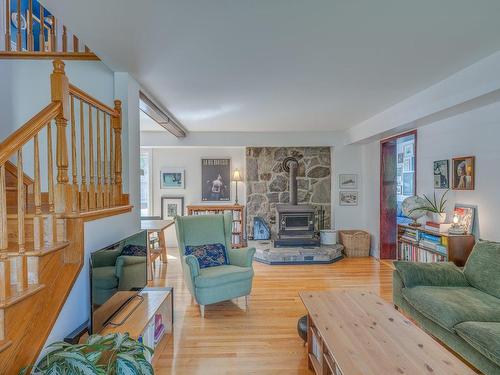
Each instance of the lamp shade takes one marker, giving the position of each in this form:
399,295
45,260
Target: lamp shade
237,175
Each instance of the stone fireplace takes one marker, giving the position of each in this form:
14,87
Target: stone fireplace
268,186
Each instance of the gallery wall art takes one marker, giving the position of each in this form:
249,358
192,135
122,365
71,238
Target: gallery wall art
441,174
172,178
216,180
171,207
463,172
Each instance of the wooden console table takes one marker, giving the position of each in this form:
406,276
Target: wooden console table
237,212
354,332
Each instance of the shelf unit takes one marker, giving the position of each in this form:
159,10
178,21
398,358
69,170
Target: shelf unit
237,211
454,248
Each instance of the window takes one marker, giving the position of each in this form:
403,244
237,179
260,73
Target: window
145,164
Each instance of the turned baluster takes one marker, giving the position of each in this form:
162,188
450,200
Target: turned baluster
91,163
111,164
30,36
51,237
99,170
75,44
41,36
74,171
105,151
65,39
21,202
53,35
83,165
117,127
7,26
38,219
19,40
4,239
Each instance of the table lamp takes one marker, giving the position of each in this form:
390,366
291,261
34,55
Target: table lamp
237,178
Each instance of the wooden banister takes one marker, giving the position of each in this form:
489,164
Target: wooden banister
82,95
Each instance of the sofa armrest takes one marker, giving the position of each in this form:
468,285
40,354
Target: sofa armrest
430,274
241,257
193,265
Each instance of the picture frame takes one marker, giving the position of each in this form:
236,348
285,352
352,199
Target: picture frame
171,207
463,173
348,198
408,150
400,158
408,184
467,216
442,174
215,179
172,178
348,181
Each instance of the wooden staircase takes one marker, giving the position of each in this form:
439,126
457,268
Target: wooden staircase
42,212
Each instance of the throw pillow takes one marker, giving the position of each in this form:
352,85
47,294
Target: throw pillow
210,255
134,250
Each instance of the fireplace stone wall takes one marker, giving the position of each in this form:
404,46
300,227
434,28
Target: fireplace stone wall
267,182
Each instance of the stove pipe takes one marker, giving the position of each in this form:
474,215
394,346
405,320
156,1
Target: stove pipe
291,165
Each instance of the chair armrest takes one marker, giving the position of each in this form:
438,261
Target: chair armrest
192,265
241,257
430,274
127,260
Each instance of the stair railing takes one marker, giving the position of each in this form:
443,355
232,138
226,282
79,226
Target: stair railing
94,139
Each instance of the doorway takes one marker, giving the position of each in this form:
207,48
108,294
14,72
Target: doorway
398,178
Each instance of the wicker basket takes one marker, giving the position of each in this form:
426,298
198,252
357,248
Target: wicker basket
356,242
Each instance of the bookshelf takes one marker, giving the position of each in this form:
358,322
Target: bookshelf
237,212
418,244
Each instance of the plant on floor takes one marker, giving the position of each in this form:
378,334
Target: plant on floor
112,354
434,206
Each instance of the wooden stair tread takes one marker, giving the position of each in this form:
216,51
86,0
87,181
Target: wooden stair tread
18,296
29,249
4,344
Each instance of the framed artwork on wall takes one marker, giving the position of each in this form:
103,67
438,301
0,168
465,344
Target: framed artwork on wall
441,174
216,180
348,181
348,198
463,173
171,207
172,178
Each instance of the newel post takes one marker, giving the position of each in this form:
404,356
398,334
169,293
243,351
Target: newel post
60,93
117,131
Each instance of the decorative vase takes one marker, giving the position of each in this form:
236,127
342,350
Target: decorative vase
439,218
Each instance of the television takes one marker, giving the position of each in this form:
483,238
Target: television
118,273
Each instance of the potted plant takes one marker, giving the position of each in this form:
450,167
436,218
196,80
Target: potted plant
434,207
101,355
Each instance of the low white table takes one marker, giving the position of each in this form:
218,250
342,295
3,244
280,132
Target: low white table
267,253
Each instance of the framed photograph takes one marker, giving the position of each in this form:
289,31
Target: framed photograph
348,181
216,180
408,180
348,198
408,150
400,158
466,216
463,173
399,190
172,178
408,164
441,174
171,207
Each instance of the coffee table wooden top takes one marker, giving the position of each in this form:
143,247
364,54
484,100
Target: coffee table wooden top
366,335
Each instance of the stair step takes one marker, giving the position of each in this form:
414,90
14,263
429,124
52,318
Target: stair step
18,296
4,344
29,249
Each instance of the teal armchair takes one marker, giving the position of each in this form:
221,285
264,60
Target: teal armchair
220,283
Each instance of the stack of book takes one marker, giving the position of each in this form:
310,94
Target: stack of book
437,227
411,235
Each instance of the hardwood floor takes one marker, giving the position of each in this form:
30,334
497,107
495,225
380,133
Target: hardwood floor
263,340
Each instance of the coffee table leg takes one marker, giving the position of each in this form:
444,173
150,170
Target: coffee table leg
309,343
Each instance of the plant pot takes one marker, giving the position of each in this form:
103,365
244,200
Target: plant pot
439,218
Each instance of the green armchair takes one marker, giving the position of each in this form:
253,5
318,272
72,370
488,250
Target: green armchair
213,284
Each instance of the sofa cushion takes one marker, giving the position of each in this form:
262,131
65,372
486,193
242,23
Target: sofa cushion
449,306
210,255
483,267
104,277
483,336
135,250
213,276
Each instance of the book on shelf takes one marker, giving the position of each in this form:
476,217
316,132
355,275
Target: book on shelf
437,227
416,253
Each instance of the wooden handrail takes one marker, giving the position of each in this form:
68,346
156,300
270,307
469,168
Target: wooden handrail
28,131
82,95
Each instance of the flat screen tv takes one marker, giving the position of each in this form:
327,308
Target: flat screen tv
117,274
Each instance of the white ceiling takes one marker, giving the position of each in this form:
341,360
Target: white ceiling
284,65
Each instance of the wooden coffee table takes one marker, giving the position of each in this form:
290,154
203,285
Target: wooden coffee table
358,333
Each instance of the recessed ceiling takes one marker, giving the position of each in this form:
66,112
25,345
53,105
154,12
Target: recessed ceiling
284,65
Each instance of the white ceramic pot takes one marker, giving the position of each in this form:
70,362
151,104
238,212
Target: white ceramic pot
439,218
328,237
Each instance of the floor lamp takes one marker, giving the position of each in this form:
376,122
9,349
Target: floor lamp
236,178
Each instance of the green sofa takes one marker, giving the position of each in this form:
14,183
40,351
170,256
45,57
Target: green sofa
460,307
220,283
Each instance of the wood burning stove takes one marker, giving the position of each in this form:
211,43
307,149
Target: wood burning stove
295,221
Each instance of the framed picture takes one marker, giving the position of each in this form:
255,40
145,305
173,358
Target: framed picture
408,150
408,164
216,180
348,181
463,173
172,178
399,190
466,216
400,158
408,184
441,174
348,198
171,207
